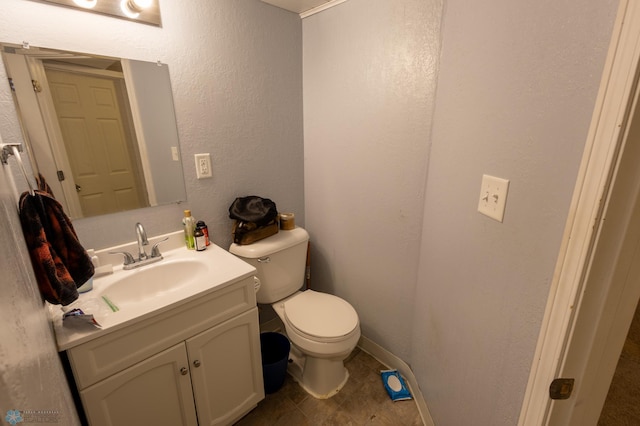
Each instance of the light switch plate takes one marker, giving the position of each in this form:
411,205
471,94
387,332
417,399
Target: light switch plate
203,166
493,197
175,155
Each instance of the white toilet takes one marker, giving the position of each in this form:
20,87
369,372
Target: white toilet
323,329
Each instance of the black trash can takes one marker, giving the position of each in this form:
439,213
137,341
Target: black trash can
275,357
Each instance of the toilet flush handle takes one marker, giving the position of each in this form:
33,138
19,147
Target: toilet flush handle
265,259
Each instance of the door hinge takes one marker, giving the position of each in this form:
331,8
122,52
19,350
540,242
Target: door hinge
60,174
36,86
561,388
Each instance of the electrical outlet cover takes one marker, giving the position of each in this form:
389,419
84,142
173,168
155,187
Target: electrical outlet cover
493,197
203,166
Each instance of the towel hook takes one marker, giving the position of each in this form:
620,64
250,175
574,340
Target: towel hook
14,149
5,153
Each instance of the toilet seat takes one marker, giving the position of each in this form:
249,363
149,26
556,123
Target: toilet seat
321,317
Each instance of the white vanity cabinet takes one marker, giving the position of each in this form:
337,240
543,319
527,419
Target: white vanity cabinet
152,392
225,381
195,364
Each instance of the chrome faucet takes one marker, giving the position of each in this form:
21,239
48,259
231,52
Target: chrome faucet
143,258
141,234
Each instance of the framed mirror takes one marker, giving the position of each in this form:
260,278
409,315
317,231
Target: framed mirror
101,131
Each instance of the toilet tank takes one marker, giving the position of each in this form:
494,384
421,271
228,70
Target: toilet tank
280,261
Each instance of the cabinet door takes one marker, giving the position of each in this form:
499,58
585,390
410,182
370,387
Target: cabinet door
156,391
226,369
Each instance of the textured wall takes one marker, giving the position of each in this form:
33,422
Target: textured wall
236,73
237,81
516,88
369,86
516,91
31,377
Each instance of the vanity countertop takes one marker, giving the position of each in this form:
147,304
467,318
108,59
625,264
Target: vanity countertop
214,269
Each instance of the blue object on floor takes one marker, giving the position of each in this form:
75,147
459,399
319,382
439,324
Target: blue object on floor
395,386
274,348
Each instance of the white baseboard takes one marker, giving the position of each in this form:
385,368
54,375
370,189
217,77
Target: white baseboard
392,361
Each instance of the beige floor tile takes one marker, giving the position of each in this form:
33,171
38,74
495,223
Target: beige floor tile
362,401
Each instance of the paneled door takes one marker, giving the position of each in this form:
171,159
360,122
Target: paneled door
156,391
227,383
100,150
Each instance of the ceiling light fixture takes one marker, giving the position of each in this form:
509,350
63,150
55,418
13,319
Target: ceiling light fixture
139,11
132,8
87,4
141,4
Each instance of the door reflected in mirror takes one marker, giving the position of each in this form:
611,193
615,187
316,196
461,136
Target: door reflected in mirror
100,130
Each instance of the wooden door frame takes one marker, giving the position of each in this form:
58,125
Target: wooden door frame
54,136
584,235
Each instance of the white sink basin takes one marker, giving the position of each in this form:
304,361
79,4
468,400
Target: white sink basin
180,277
155,280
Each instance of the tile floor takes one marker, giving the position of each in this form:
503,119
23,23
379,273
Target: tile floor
621,407
363,401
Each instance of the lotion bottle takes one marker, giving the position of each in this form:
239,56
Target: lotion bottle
189,227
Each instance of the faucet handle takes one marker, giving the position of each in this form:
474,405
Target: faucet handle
128,258
155,252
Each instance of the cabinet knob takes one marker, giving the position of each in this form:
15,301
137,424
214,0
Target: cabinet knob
196,363
184,371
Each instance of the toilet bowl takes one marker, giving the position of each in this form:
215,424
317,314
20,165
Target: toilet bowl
322,328
325,330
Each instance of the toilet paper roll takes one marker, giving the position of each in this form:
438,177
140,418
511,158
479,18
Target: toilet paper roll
287,221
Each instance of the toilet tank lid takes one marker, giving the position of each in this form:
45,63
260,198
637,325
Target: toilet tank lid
270,245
